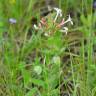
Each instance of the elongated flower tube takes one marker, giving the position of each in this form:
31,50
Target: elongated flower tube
59,13
64,29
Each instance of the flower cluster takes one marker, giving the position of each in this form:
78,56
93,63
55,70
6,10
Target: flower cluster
45,25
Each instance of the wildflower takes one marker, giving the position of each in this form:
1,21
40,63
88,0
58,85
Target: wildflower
46,34
69,20
62,23
59,13
35,26
43,21
44,25
12,21
64,29
38,69
40,26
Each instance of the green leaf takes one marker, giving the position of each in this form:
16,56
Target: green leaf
21,66
83,19
38,82
1,24
31,92
55,92
31,3
26,77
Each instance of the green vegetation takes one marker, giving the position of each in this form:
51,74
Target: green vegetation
60,64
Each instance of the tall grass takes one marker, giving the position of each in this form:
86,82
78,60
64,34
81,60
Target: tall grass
59,65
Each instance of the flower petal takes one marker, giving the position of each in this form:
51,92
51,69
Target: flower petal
59,13
12,20
69,20
35,26
65,30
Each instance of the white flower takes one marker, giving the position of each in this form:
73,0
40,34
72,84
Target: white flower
46,34
59,13
35,26
38,69
65,30
69,20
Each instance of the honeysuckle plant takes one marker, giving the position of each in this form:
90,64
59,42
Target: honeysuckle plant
50,25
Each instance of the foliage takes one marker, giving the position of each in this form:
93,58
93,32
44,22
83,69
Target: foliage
32,64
